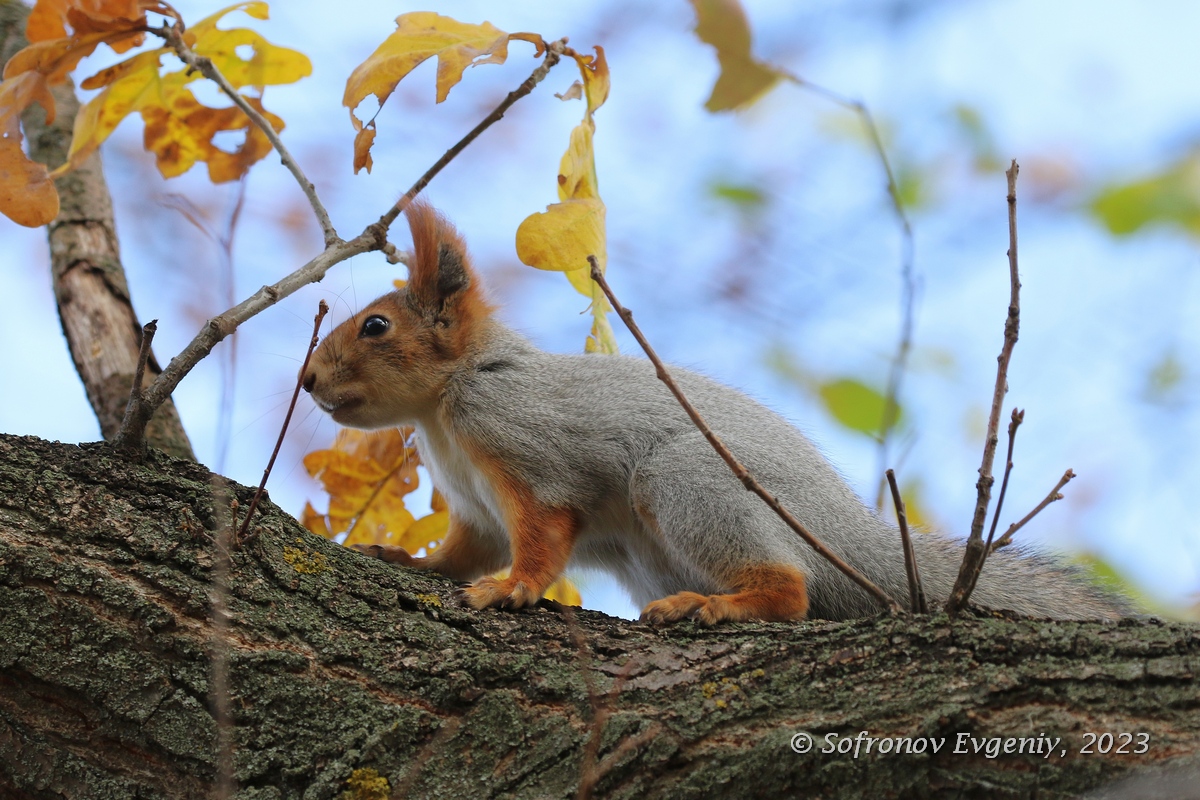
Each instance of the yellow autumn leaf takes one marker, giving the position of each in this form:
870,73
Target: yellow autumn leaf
367,476
722,24
563,236
270,65
428,530
577,168
255,8
418,36
315,521
563,591
596,78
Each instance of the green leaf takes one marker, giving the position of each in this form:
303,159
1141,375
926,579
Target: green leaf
1172,197
855,405
748,198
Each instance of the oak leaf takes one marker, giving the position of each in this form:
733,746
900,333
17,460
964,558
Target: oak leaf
420,35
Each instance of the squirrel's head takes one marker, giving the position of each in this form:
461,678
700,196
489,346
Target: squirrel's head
387,365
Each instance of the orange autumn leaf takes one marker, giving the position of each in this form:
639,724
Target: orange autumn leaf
27,195
362,145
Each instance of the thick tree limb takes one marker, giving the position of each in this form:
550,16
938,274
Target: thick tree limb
340,663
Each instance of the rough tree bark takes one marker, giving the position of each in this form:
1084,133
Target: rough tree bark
341,665
94,306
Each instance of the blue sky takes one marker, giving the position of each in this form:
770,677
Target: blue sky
1081,94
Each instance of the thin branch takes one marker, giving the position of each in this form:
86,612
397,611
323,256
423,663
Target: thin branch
173,34
554,53
322,310
740,471
1017,418
976,550
138,411
1054,495
891,404
373,237
916,592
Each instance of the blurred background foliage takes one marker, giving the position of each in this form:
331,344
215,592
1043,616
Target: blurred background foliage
758,246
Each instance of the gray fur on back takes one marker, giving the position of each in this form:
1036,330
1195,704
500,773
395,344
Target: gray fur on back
603,435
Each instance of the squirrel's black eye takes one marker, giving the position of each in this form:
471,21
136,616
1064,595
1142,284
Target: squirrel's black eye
374,325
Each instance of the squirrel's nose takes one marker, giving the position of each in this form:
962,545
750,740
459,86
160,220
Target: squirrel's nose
310,380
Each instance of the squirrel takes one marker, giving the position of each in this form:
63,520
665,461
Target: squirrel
548,459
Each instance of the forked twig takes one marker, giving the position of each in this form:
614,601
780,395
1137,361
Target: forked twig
138,411
242,537
738,469
1017,418
916,592
1054,495
976,550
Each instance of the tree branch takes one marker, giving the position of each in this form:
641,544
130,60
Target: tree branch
1054,496
1017,418
373,237
738,469
174,37
891,403
554,52
916,592
137,414
242,538
976,549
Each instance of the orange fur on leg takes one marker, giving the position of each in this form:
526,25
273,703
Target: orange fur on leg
541,538
770,592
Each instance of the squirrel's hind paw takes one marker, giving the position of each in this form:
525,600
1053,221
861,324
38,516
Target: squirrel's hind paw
385,552
497,593
676,607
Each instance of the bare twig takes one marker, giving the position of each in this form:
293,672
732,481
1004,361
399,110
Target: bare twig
891,403
916,592
219,650
738,469
1054,495
554,53
173,34
976,550
373,237
322,310
1017,418
138,412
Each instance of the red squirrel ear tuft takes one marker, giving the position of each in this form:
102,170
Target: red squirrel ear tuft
440,270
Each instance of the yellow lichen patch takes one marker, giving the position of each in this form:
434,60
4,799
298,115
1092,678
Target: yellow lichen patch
366,784
429,600
304,561
709,689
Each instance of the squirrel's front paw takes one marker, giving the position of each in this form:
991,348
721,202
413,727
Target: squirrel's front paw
496,593
386,552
